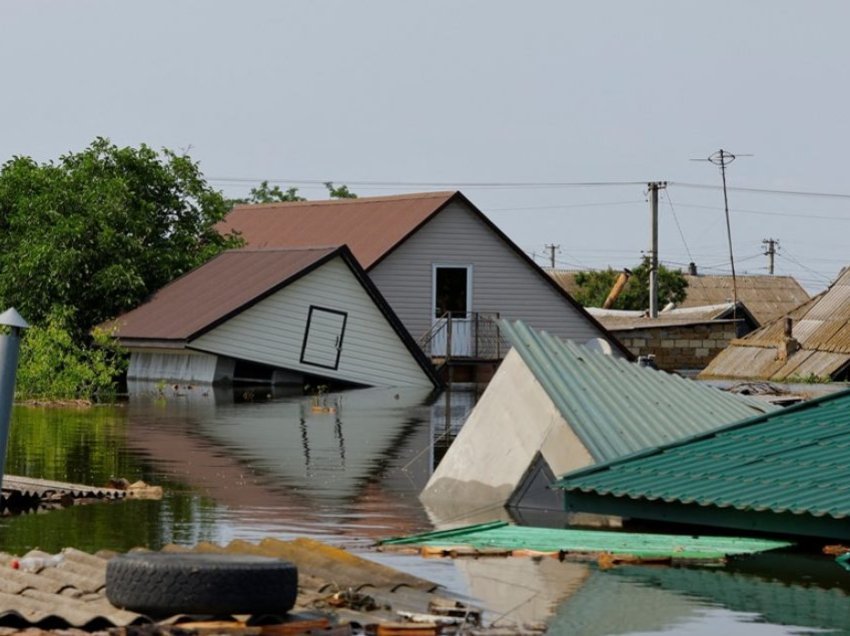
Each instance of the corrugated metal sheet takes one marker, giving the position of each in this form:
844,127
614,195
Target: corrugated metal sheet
821,326
794,460
370,226
619,320
616,407
213,291
510,537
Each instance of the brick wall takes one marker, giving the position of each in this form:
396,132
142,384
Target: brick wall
679,347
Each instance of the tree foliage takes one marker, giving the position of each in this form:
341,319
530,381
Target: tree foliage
265,193
94,233
593,287
339,192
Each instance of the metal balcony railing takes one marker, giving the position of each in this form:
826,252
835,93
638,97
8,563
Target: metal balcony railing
471,335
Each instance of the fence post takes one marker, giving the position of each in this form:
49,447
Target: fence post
8,369
449,337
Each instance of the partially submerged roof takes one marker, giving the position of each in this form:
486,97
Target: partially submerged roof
623,319
501,535
207,295
370,226
791,462
821,326
616,407
767,297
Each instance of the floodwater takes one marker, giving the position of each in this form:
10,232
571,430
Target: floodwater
346,468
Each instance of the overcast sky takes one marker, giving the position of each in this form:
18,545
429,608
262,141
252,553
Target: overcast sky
525,97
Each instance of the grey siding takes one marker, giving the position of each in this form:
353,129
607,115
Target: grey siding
501,281
272,331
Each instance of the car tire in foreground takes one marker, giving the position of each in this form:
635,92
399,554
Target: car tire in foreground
164,584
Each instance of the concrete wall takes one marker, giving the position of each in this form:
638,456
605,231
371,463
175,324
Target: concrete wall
512,421
689,347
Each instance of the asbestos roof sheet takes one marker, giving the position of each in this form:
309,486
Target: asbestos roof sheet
216,290
821,326
616,407
72,591
620,319
370,226
767,297
502,535
793,460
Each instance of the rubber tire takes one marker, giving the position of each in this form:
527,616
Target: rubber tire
161,584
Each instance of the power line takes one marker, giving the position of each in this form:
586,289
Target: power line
800,215
433,184
796,193
678,226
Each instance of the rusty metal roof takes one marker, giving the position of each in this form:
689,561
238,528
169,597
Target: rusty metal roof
821,326
211,293
370,226
767,297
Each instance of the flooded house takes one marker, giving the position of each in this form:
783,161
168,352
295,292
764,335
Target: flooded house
554,407
448,272
782,472
810,343
285,316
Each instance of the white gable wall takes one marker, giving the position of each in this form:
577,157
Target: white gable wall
512,422
501,281
272,331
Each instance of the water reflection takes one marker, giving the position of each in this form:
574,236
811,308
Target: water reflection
252,462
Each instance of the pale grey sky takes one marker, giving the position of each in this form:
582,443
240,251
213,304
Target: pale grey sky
385,95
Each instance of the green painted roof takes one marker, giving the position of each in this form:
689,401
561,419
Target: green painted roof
616,407
501,535
796,460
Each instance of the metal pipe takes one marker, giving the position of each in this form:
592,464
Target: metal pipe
9,346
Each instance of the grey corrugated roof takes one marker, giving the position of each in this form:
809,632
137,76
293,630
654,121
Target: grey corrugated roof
616,407
821,326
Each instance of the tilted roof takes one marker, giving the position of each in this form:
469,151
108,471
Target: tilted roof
793,460
617,408
821,326
621,319
213,292
370,226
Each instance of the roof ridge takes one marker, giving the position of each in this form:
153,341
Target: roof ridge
440,194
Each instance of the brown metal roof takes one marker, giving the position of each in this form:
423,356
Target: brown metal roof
821,326
370,226
209,294
767,297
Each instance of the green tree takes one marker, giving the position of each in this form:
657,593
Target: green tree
593,287
94,233
265,194
339,192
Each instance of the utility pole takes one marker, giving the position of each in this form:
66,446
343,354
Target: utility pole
653,187
771,247
552,249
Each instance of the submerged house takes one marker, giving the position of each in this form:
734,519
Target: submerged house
283,315
810,342
554,407
782,472
446,270
680,339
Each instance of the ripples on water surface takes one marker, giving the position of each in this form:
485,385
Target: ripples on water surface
271,466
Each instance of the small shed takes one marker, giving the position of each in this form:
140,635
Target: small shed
685,339
272,314
555,406
781,472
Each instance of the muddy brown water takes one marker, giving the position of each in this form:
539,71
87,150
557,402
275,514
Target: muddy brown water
346,468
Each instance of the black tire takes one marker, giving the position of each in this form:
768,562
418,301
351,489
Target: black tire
163,584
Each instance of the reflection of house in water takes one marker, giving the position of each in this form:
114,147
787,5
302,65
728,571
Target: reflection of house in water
448,414
278,462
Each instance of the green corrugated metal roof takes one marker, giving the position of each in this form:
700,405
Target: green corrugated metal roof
616,407
502,535
796,460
